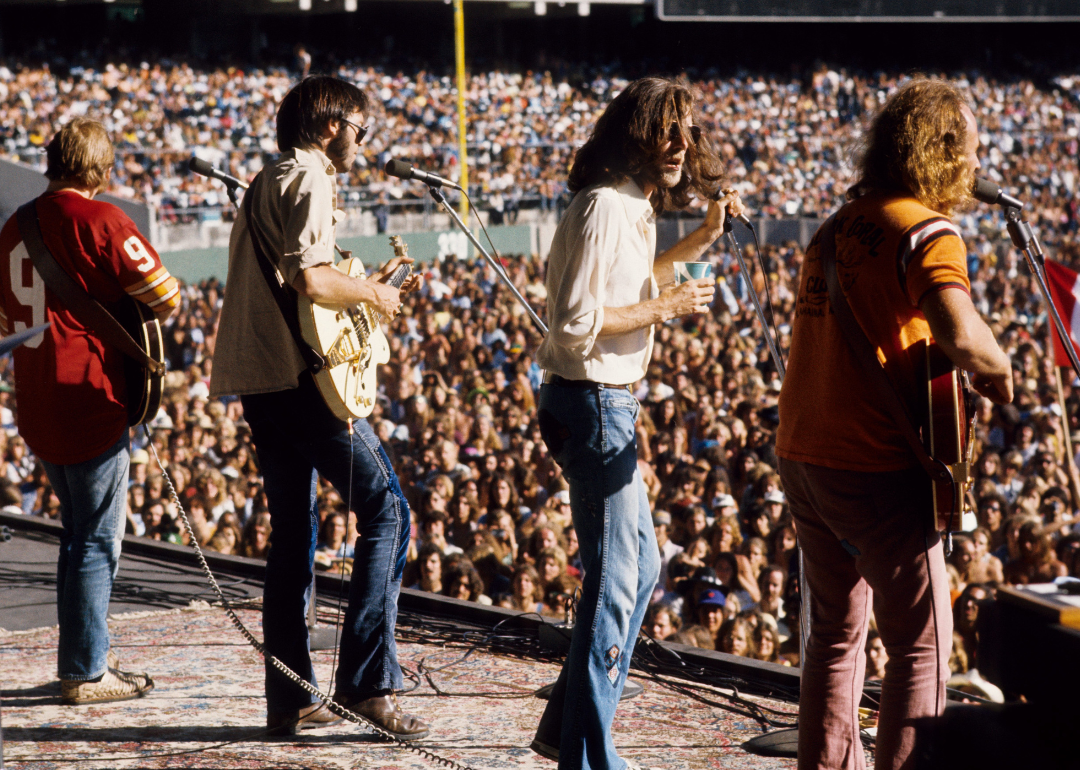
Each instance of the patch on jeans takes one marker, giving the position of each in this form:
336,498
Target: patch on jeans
850,548
613,663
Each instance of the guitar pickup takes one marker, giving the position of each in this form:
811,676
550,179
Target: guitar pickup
961,472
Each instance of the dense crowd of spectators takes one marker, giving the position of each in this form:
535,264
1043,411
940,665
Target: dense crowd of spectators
787,141
491,518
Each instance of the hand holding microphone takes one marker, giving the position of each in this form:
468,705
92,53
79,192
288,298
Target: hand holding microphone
729,207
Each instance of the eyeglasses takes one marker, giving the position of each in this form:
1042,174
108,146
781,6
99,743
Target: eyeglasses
676,132
361,131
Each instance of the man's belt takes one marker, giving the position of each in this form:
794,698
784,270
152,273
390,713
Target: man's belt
554,379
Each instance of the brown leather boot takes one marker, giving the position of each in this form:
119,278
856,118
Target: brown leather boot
307,718
385,712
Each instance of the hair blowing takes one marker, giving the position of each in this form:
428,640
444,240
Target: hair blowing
629,136
917,145
310,106
80,153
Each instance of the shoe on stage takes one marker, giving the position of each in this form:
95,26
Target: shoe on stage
309,717
114,685
385,712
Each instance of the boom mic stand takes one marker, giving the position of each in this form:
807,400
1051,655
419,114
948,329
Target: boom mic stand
1026,241
778,743
438,197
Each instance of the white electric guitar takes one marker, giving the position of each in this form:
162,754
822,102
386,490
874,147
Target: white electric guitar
352,342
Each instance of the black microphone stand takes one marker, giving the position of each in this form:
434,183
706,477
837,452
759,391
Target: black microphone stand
438,197
1026,241
774,351
783,742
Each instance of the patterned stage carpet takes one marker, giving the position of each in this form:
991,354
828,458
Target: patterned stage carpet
207,710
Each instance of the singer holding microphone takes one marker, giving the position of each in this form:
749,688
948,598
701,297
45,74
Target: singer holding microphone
320,124
861,500
645,156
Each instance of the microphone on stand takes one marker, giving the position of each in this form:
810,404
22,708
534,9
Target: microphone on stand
403,170
988,192
200,166
728,218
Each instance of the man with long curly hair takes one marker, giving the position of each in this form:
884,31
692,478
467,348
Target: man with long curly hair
645,156
861,501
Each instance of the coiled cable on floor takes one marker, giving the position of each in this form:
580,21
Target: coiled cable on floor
333,706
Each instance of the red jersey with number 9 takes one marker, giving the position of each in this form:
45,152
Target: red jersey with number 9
69,385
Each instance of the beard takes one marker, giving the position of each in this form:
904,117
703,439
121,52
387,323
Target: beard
338,151
664,179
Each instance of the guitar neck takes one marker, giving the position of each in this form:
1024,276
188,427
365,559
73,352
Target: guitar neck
399,276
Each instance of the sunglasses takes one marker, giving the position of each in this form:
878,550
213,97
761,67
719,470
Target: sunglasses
361,131
675,132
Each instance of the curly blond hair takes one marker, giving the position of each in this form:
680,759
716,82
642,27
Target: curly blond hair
917,144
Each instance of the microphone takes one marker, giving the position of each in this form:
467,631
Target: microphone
200,166
728,218
988,192
403,170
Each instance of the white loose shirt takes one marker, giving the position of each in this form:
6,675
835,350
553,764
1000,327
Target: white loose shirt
602,256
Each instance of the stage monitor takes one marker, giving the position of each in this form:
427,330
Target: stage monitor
868,10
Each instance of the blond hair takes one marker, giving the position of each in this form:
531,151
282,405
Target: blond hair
80,153
917,144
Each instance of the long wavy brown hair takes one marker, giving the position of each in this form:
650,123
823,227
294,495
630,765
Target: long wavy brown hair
917,145
629,136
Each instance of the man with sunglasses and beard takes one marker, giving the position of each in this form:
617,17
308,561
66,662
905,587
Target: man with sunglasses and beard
293,203
645,156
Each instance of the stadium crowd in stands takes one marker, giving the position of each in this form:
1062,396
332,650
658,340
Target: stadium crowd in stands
491,519
786,140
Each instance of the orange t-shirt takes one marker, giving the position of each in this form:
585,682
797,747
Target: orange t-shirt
891,252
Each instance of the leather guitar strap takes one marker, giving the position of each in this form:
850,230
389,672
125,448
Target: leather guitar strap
88,310
866,355
284,295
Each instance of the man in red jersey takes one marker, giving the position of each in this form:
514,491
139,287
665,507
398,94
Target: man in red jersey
71,393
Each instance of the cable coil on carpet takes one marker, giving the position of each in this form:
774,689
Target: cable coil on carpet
288,672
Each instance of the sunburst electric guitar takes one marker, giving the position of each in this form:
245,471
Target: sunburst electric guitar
352,342
948,432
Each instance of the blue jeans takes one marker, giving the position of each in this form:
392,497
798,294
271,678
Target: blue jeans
93,498
590,433
297,436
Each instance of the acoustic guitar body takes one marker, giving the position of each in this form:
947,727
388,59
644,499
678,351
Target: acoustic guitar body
144,388
948,432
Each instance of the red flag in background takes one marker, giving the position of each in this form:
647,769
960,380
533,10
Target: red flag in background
1065,291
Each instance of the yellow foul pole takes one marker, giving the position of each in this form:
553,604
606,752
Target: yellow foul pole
459,50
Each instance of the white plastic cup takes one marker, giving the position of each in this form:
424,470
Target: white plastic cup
688,271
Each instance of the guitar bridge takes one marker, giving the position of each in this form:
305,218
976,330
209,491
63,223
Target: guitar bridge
342,351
